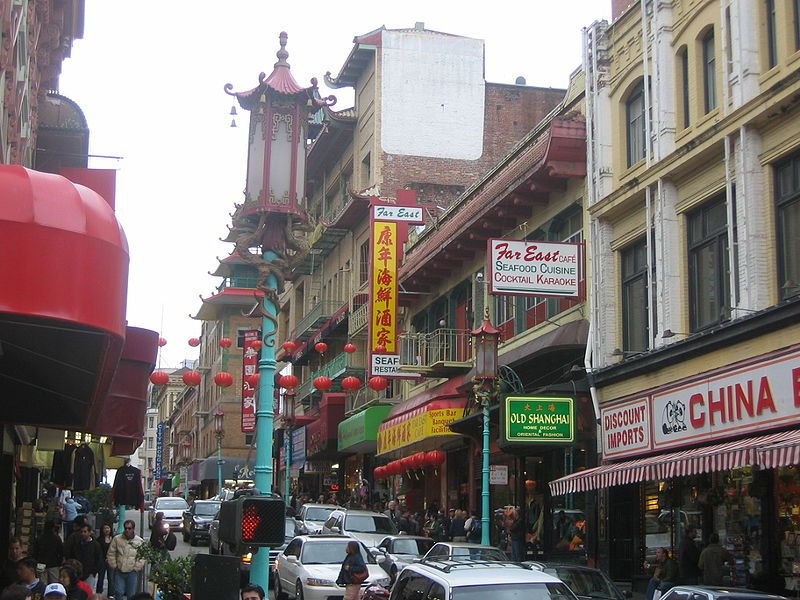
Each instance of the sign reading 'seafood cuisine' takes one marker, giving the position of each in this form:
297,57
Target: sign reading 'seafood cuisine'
535,268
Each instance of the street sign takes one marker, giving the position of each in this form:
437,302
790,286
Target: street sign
538,419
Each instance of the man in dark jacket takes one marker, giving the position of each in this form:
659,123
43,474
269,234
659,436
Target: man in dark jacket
88,552
690,556
26,575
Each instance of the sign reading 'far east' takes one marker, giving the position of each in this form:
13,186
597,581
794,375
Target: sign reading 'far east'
535,268
536,419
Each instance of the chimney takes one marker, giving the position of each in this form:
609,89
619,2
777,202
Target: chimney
618,7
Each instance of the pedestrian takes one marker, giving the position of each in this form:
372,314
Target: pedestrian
475,529
26,575
690,557
711,561
70,582
15,592
392,512
353,571
122,559
75,564
516,533
8,570
252,592
88,552
49,550
55,591
161,538
665,574
74,537
105,572
457,532
437,532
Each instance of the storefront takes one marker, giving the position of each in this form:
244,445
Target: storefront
322,446
718,451
358,434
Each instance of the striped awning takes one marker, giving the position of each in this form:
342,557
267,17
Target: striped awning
783,446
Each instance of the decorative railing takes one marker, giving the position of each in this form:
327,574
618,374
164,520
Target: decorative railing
437,347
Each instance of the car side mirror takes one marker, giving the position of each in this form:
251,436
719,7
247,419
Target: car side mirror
380,559
335,529
291,559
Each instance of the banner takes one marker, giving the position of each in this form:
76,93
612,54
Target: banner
249,367
159,462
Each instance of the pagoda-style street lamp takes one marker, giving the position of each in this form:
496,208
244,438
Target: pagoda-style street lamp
288,420
484,386
219,431
264,227
186,459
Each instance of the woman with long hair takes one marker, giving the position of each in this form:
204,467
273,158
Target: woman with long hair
352,566
105,539
69,579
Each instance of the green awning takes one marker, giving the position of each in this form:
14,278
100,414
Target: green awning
359,433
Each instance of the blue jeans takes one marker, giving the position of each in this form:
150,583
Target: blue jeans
105,572
125,584
517,550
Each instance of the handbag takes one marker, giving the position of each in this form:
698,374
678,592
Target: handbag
359,576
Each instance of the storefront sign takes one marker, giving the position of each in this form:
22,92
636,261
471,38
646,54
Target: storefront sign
298,447
249,367
626,428
535,419
498,474
535,268
750,397
392,212
159,462
316,467
427,421
362,428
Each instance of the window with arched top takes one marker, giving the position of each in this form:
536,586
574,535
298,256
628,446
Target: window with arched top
635,124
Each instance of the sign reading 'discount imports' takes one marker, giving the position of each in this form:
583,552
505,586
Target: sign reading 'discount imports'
535,268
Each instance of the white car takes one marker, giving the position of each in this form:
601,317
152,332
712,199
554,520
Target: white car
364,525
309,567
313,516
172,507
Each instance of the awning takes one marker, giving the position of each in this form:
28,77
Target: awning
359,433
716,457
422,423
322,434
781,453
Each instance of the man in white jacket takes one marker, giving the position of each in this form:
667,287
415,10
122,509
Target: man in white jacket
121,558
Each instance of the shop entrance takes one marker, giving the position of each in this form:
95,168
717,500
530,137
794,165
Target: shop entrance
623,503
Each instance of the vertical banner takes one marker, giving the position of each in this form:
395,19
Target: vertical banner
249,367
159,463
387,223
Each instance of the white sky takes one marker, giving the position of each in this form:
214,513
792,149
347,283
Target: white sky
149,75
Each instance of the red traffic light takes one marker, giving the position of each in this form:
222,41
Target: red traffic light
262,521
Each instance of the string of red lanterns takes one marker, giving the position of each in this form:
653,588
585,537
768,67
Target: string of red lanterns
418,461
159,378
223,379
192,378
226,342
194,342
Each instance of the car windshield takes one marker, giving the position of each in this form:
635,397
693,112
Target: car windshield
171,504
514,591
206,509
329,553
318,514
369,524
585,582
417,547
479,553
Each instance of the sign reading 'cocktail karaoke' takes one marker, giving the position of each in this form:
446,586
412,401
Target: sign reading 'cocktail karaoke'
535,268
538,419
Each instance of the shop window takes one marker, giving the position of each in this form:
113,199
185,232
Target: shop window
787,498
709,264
504,316
635,124
635,298
709,72
787,192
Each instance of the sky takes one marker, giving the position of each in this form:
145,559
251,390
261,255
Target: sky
149,76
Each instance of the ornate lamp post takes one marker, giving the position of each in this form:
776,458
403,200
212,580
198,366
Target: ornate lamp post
219,431
186,458
272,213
288,419
484,386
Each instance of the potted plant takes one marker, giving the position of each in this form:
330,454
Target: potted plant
172,576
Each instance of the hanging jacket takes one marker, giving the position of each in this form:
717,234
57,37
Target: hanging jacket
127,489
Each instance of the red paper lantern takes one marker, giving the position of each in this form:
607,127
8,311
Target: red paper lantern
223,379
530,484
421,460
378,383
194,342
436,457
159,378
226,342
253,379
380,349
392,468
323,383
288,381
349,348
321,347
192,378
289,346
162,342
256,344
378,473
351,384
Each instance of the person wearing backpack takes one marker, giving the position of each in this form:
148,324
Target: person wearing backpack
475,529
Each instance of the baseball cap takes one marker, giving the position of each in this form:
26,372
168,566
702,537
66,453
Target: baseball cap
55,589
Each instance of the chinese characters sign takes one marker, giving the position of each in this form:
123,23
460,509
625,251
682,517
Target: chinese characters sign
249,367
529,419
384,286
535,268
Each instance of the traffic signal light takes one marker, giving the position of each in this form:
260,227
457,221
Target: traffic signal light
252,522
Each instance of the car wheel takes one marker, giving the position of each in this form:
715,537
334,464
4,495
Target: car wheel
298,594
279,593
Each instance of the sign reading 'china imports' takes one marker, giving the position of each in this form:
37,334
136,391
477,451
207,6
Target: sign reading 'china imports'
532,419
535,268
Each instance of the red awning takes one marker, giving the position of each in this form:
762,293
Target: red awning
716,457
443,391
64,261
781,453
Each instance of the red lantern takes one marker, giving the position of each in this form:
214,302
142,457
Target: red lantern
288,381
159,378
323,383
436,457
162,342
351,384
223,379
256,344
349,348
194,342
378,473
226,342
378,383
192,378
530,485
380,349
253,379
321,347
421,460
289,346
392,468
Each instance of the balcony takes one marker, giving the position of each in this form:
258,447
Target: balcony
359,319
316,317
440,353
342,365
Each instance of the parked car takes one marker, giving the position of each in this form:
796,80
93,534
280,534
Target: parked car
197,520
364,525
172,507
465,550
213,535
701,592
313,516
465,579
309,566
586,582
402,550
